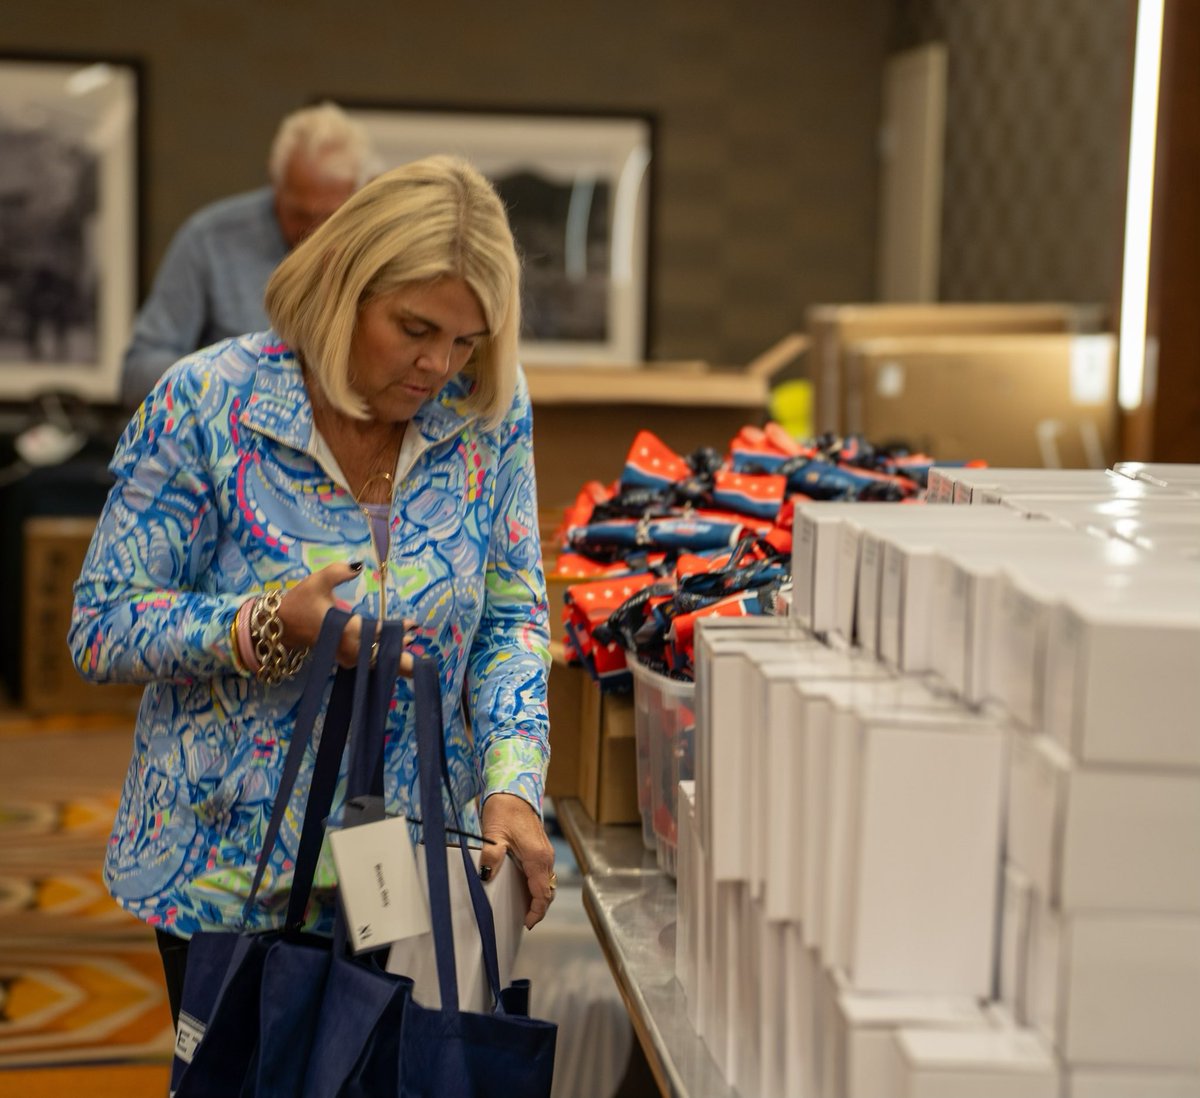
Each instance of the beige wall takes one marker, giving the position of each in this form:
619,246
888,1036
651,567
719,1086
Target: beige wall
766,115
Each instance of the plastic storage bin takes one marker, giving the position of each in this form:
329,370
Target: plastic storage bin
665,729
643,716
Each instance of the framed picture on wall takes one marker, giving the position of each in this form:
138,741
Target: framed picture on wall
68,223
577,189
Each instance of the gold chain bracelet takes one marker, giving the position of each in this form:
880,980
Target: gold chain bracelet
275,662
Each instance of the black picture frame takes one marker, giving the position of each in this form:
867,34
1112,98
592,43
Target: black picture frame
70,222
578,188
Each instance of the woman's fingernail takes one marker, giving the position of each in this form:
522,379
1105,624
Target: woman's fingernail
356,566
485,872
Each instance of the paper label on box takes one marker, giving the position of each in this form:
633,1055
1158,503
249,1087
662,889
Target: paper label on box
889,381
378,883
1091,369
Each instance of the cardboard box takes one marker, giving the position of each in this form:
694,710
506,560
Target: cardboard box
1119,991
728,936
1103,839
1181,474
815,528
721,769
858,1029
832,328
1016,914
780,848
964,592
922,855
608,757
801,969
816,810
1016,400
969,650
689,901
564,700
770,1019
54,549
1122,684
585,418
826,554
1116,1083
968,484
972,1063
1036,578
745,964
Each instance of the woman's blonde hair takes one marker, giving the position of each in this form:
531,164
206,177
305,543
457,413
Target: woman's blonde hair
434,218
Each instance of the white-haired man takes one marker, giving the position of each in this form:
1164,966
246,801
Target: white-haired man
210,283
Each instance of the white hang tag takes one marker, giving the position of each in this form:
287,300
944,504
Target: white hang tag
380,891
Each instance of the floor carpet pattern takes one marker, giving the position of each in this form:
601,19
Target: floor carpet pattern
81,992
83,1009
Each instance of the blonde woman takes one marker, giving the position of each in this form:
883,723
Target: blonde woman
373,450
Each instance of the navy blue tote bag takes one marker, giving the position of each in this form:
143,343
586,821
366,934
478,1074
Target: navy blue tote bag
284,1014
252,1000
447,1052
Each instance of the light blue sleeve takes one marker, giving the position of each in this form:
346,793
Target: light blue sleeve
139,612
170,322
510,657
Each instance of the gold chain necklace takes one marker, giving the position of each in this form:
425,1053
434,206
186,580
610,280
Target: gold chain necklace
386,474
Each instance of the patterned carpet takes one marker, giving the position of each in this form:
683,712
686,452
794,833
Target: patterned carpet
82,1004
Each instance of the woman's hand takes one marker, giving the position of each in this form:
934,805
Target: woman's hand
304,606
513,826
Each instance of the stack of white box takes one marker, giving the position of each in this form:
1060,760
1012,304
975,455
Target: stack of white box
923,849
1100,941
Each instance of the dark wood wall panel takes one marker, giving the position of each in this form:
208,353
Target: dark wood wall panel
1175,296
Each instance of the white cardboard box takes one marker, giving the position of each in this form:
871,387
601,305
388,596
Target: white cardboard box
1119,991
968,1063
1036,577
826,551
1116,488
776,749
859,561
1016,913
802,972
964,592
721,990
857,1031
924,860
906,610
826,790
718,701
1093,512
744,962
814,562
689,900
1103,839
771,1013
1122,684
1161,472
729,741
1114,1083
966,482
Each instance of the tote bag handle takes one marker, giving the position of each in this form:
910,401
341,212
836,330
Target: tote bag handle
321,663
431,763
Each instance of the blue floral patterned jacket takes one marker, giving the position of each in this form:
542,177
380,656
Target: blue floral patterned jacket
218,496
